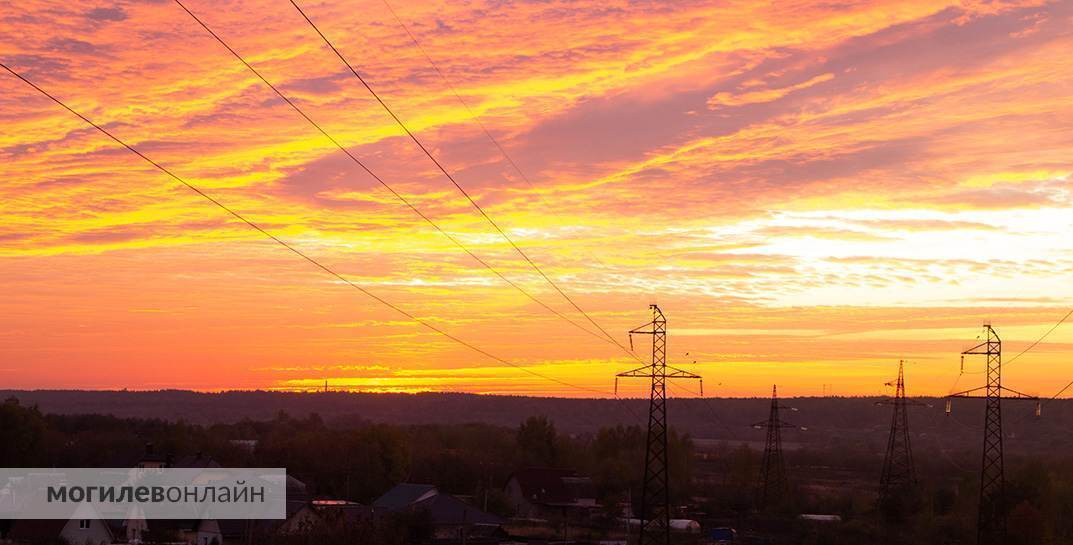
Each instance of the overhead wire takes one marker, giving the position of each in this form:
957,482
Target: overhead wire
443,77
1040,339
294,249
1035,343
383,183
450,177
475,116
707,405
312,260
1069,385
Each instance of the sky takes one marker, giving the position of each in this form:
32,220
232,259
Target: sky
810,191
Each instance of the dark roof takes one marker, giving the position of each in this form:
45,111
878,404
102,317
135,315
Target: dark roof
553,486
402,495
447,510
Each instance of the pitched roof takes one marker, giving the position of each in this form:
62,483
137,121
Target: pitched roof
553,486
447,510
404,494
340,512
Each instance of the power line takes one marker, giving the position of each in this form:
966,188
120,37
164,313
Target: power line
473,115
1039,340
1048,400
445,172
295,250
454,91
706,402
306,257
383,183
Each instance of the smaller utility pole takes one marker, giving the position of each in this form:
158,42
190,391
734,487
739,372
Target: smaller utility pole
773,480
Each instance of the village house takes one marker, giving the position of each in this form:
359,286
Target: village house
546,493
321,516
76,531
452,520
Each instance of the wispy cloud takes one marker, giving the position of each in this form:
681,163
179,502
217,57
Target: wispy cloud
763,172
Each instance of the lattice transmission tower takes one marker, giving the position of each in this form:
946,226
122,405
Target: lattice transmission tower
655,511
897,483
773,482
991,520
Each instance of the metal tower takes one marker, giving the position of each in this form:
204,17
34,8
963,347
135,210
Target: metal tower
991,521
898,480
772,469
655,491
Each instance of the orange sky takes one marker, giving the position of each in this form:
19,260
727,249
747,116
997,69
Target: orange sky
810,191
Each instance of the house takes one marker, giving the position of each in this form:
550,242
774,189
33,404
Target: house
200,532
326,516
455,520
85,527
542,493
452,520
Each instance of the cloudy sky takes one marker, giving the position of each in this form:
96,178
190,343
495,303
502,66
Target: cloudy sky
811,192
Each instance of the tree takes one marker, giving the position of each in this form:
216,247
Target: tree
24,432
537,441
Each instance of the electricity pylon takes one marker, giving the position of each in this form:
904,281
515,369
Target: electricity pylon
772,469
897,484
655,491
991,520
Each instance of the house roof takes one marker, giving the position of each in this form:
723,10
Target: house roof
336,512
447,510
404,494
553,486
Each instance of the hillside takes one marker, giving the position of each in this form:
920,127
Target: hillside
830,421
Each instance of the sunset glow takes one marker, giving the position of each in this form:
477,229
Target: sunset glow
810,192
